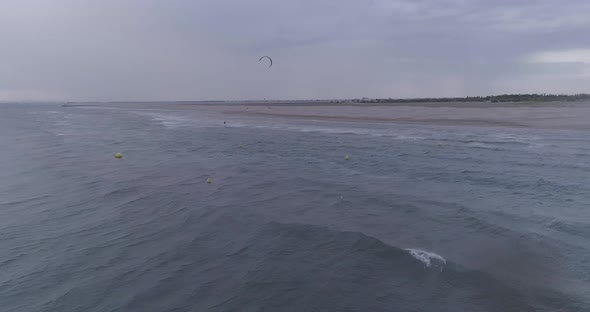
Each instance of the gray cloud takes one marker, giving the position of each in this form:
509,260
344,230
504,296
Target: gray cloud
208,49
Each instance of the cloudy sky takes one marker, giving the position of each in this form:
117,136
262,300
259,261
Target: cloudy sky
109,50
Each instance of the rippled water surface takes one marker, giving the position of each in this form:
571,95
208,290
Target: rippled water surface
420,218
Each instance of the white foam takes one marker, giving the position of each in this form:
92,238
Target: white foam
167,120
171,121
331,129
481,145
425,256
409,137
515,138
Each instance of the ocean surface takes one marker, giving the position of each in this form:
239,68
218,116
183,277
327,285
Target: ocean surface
419,218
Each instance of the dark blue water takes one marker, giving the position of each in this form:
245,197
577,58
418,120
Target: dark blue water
419,219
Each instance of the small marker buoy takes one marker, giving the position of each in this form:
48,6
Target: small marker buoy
209,180
347,158
118,155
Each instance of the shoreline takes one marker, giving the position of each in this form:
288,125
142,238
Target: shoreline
328,103
363,119
545,115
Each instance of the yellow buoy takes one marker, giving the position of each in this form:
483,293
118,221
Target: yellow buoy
209,180
118,155
347,158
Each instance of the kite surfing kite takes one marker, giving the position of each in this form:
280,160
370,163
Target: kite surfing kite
267,57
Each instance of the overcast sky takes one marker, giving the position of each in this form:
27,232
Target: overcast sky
108,50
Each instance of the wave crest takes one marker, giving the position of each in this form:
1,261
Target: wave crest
428,258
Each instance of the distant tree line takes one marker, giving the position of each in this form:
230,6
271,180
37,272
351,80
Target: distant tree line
491,98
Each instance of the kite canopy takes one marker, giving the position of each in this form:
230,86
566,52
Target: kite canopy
267,57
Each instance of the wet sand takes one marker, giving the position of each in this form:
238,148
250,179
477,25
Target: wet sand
554,115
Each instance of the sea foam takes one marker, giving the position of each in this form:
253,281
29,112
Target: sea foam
426,257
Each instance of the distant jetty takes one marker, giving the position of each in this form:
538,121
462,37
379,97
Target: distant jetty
491,98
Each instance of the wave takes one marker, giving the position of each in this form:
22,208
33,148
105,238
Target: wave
25,200
428,258
229,264
275,266
571,228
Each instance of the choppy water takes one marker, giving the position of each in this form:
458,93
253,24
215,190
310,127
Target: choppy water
419,219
